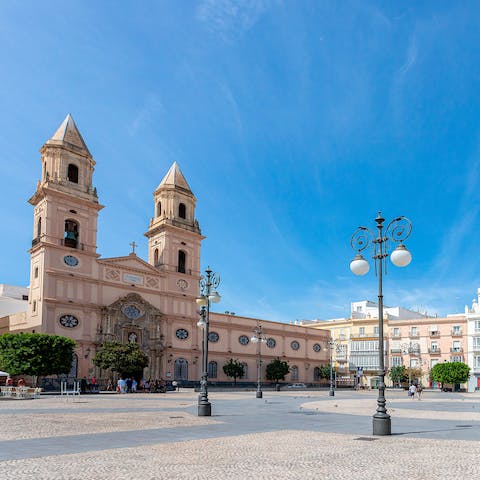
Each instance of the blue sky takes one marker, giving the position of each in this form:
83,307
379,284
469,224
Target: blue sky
293,121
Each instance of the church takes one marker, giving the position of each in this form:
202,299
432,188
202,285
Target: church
76,292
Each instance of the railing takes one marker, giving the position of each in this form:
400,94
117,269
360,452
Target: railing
186,271
395,350
456,333
69,243
434,351
413,334
396,335
435,334
456,350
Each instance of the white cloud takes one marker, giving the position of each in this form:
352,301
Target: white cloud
230,18
144,115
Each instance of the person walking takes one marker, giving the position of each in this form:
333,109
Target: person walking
412,390
419,391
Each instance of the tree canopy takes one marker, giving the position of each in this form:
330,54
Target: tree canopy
450,372
233,369
36,354
125,359
324,371
276,370
398,374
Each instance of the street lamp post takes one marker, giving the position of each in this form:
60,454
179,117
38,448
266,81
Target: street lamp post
331,393
259,337
397,230
208,294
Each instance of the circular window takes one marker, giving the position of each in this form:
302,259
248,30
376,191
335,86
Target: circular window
132,312
317,347
68,321
182,334
243,339
213,337
271,343
295,345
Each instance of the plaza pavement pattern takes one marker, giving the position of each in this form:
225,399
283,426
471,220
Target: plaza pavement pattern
285,435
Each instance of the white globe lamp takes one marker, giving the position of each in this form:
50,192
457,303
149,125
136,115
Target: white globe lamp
359,266
401,257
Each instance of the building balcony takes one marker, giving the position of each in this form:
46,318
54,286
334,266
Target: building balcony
414,335
395,350
476,348
435,334
457,333
434,351
456,350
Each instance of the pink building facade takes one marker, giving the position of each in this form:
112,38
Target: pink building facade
77,293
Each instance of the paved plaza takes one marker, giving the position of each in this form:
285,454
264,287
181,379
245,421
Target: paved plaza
290,435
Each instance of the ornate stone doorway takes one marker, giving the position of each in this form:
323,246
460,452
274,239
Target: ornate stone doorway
133,319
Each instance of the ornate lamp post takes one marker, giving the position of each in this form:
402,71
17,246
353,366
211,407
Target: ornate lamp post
332,343
259,337
208,294
397,230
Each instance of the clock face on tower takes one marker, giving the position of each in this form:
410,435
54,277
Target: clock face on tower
70,260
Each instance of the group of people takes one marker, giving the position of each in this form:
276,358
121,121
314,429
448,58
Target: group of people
10,383
415,390
130,385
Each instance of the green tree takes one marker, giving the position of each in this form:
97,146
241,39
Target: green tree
398,374
233,369
36,354
450,372
276,370
323,371
125,359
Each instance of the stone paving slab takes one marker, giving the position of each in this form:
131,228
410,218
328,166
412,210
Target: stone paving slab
284,435
278,455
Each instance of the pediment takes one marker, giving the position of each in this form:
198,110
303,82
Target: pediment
136,299
130,262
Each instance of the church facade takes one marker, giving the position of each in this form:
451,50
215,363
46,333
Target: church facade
76,293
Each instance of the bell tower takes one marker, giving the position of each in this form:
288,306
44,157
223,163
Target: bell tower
64,221
174,234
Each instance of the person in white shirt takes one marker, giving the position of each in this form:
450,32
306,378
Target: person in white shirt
413,390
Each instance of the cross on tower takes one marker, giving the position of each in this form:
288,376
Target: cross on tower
133,245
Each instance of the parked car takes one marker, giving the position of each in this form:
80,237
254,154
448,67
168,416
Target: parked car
297,385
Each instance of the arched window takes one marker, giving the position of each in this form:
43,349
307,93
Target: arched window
72,173
182,260
294,373
155,258
316,374
212,369
245,370
181,369
39,227
71,234
182,210
159,209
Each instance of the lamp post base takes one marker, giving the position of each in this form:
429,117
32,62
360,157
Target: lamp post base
259,394
331,393
382,425
205,409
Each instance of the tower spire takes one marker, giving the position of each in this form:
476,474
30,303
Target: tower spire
68,134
